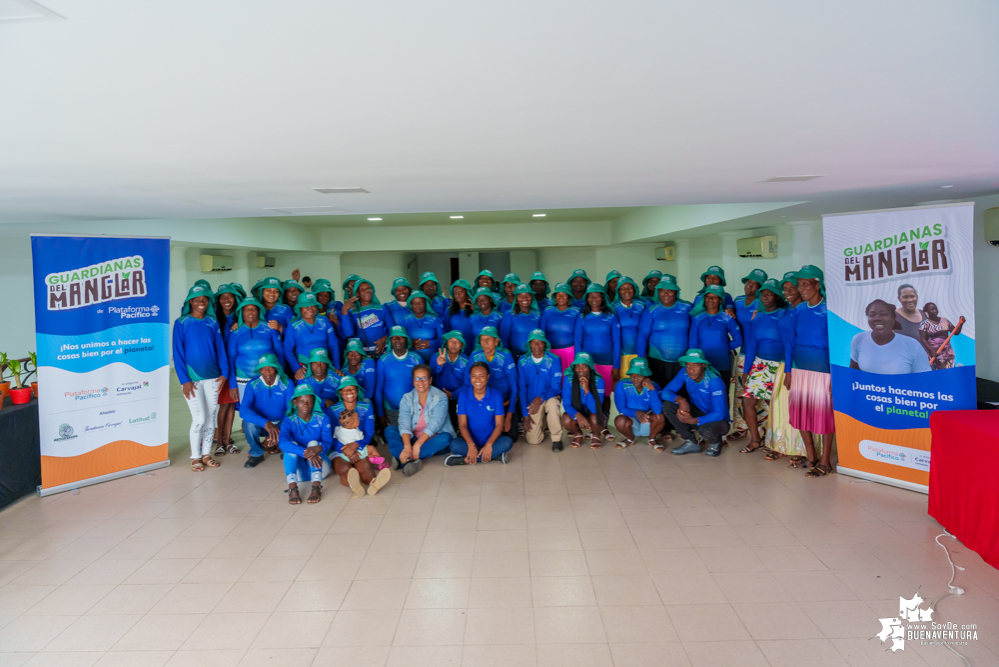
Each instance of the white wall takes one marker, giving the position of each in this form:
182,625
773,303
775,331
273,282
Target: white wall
17,333
986,299
439,263
381,268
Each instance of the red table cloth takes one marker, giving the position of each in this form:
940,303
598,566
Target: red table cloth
964,478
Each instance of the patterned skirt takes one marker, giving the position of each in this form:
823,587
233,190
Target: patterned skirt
781,437
811,407
737,391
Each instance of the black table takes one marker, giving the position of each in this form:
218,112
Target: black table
20,457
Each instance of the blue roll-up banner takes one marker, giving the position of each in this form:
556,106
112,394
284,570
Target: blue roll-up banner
102,329
901,292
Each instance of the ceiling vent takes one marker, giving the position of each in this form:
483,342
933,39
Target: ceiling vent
790,179
308,210
25,10
341,191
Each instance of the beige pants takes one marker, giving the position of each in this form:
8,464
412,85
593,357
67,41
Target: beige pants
550,411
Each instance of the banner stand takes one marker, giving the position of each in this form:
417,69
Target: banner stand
891,481
103,478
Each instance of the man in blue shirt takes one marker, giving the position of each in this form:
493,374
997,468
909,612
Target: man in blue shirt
539,374
395,376
263,408
637,399
697,400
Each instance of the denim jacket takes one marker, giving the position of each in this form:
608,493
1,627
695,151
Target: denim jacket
435,413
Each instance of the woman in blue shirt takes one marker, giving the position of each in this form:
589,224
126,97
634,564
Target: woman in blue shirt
450,368
664,332
480,436
227,299
201,365
599,335
360,367
486,279
559,325
649,285
430,286
365,318
423,325
291,289
578,282
582,399
507,298
486,314
520,321
502,372
276,314
611,281
628,309
716,333
637,399
251,340
764,354
306,440
745,308
353,423
306,333
323,382
460,311
539,285
399,307
714,275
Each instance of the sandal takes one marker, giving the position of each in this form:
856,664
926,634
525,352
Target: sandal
316,495
801,462
294,497
231,448
749,449
627,442
772,455
606,435
197,465
210,462
220,450
577,441
656,445
595,441
819,470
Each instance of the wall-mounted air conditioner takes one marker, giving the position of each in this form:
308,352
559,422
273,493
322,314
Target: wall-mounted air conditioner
211,263
667,253
757,246
265,262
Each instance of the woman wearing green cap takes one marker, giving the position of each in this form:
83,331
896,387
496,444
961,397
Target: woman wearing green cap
306,333
395,376
306,438
697,400
578,282
423,325
430,286
353,423
559,325
276,314
539,377
349,284
649,284
598,334
611,281
716,333
629,310
291,290
323,383
782,439
264,406
664,332
745,308
508,285
201,365
640,406
518,322
485,314
328,305
227,299
399,308
486,279
582,399
460,311
251,340
714,275
364,317
450,368
539,285
502,372
360,367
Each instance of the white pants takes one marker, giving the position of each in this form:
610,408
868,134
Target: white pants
204,407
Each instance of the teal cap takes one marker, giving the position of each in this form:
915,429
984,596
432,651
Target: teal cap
268,360
306,299
430,277
321,355
400,282
512,278
771,285
625,280
399,331
354,345
418,294
249,301
584,358
612,274
579,273
789,277
454,333
349,381
639,366
292,284
483,291
489,331
537,275
757,276
714,271
563,288
716,290
538,334
693,356
464,284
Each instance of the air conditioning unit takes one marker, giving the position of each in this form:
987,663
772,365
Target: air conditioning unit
757,246
265,262
667,253
992,226
211,263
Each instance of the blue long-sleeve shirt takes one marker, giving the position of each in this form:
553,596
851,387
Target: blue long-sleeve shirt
502,375
543,303
478,322
366,418
461,322
397,311
727,303
515,330
630,319
368,325
538,379
717,335
744,316
395,378
763,338
588,400
560,326
198,350
282,314
245,348
453,375
262,403
429,327
599,334
300,338
663,333
710,395
325,389
366,376
296,434
629,401
806,338
504,306
440,305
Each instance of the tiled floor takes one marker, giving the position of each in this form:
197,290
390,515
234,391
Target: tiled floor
582,558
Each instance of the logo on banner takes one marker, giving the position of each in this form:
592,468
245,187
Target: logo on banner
65,433
122,278
920,250
86,394
914,623
131,387
139,420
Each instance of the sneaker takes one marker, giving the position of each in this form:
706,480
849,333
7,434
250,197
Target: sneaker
503,458
557,445
411,468
396,464
380,480
253,461
688,447
454,460
713,450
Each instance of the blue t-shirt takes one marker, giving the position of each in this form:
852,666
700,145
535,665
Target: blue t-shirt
744,315
366,376
630,318
453,375
806,338
480,321
716,335
198,350
663,333
369,325
763,338
560,326
629,401
397,311
899,356
481,414
395,379
515,330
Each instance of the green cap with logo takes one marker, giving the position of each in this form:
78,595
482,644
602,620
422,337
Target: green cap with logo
349,381
418,294
694,356
354,345
491,332
668,282
454,333
249,301
321,355
483,291
579,273
812,272
306,300
464,284
511,278
586,359
639,366
323,285
626,280
538,334
400,282
537,275
269,360
292,284
715,271
304,390
563,288
757,276
400,331
431,277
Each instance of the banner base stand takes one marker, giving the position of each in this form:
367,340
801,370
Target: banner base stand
880,479
103,478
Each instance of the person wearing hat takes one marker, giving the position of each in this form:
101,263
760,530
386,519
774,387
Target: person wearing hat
628,308
745,304
481,419
251,340
323,383
201,365
539,377
276,314
423,325
649,284
306,438
430,286
307,332
486,279
578,282
539,285
764,357
349,284
716,333
641,407
185,307
696,400
789,289
365,318
353,422
263,407
399,307
291,289
598,333
450,368
559,324
227,299
507,298
424,426
519,321
611,281
460,311
502,372
582,399
745,309
806,353
395,376
781,438
485,314
326,298
664,332
714,275
361,367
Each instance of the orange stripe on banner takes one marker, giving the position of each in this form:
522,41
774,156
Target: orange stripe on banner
850,432
112,457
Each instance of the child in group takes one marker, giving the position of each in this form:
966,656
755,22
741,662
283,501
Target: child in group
353,422
305,440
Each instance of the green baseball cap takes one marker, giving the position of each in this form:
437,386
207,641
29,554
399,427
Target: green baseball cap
639,366
715,271
789,277
756,275
693,356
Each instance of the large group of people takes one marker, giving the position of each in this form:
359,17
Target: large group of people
464,373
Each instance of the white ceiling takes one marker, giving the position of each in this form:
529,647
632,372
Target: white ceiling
198,109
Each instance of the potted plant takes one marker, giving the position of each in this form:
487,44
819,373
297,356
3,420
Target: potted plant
34,371
22,394
4,386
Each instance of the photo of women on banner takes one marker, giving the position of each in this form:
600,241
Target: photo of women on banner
901,334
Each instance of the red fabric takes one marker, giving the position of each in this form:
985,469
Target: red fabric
964,478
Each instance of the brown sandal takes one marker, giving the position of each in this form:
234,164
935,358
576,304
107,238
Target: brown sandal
819,470
231,448
294,497
316,495
595,441
772,455
802,462
197,465
210,462
606,435
577,441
